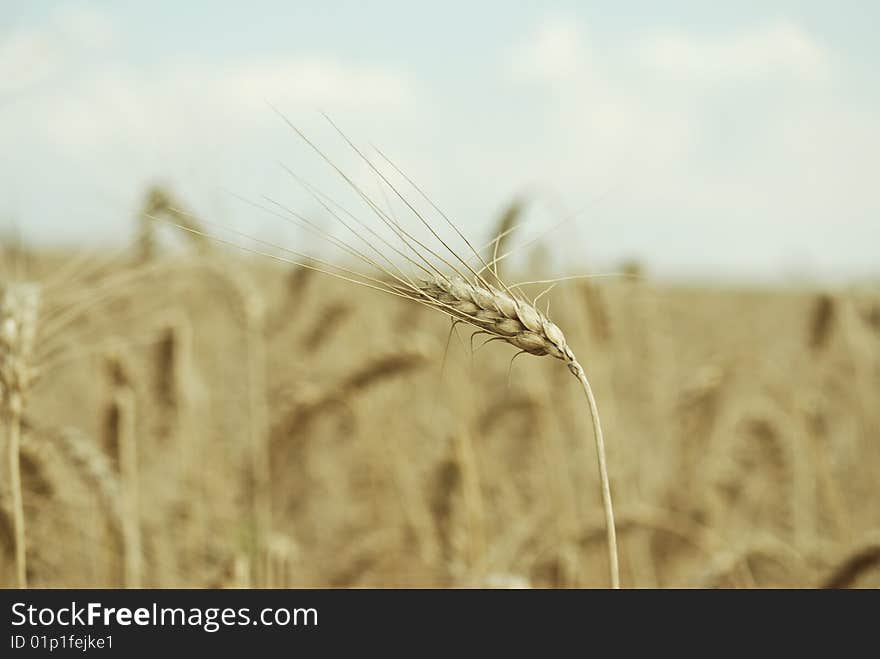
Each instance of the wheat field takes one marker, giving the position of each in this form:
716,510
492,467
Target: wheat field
203,417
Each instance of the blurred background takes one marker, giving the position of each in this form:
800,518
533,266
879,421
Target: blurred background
185,413
734,142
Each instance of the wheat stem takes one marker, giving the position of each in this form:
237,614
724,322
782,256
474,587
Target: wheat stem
17,504
578,371
18,321
124,402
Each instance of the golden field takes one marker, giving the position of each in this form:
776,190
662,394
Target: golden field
219,420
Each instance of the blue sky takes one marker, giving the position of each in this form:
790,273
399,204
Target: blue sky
732,142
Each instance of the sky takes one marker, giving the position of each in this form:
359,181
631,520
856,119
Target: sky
735,141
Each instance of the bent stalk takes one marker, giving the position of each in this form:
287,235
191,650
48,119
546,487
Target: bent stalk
578,371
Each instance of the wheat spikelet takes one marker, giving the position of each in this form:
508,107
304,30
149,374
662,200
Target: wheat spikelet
500,315
38,464
295,292
831,514
174,376
51,456
822,320
83,453
119,378
444,492
121,443
329,319
293,438
475,514
168,366
633,269
18,327
298,282
310,403
159,201
523,408
61,498
698,407
870,315
757,479
506,226
457,505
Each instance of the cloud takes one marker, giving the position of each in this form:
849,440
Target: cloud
679,168
29,56
196,105
595,117
776,50
322,81
84,26
763,168
556,51
98,127
25,59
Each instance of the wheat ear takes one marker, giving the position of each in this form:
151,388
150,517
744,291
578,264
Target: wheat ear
466,296
519,323
120,438
18,322
159,201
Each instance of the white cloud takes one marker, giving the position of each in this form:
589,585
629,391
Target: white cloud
777,50
199,105
84,25
764,171
556,51
315,80
597,121
99,128
26,59
32,55
680,168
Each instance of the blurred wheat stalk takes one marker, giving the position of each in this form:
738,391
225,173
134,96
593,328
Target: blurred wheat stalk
238,440
18,329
